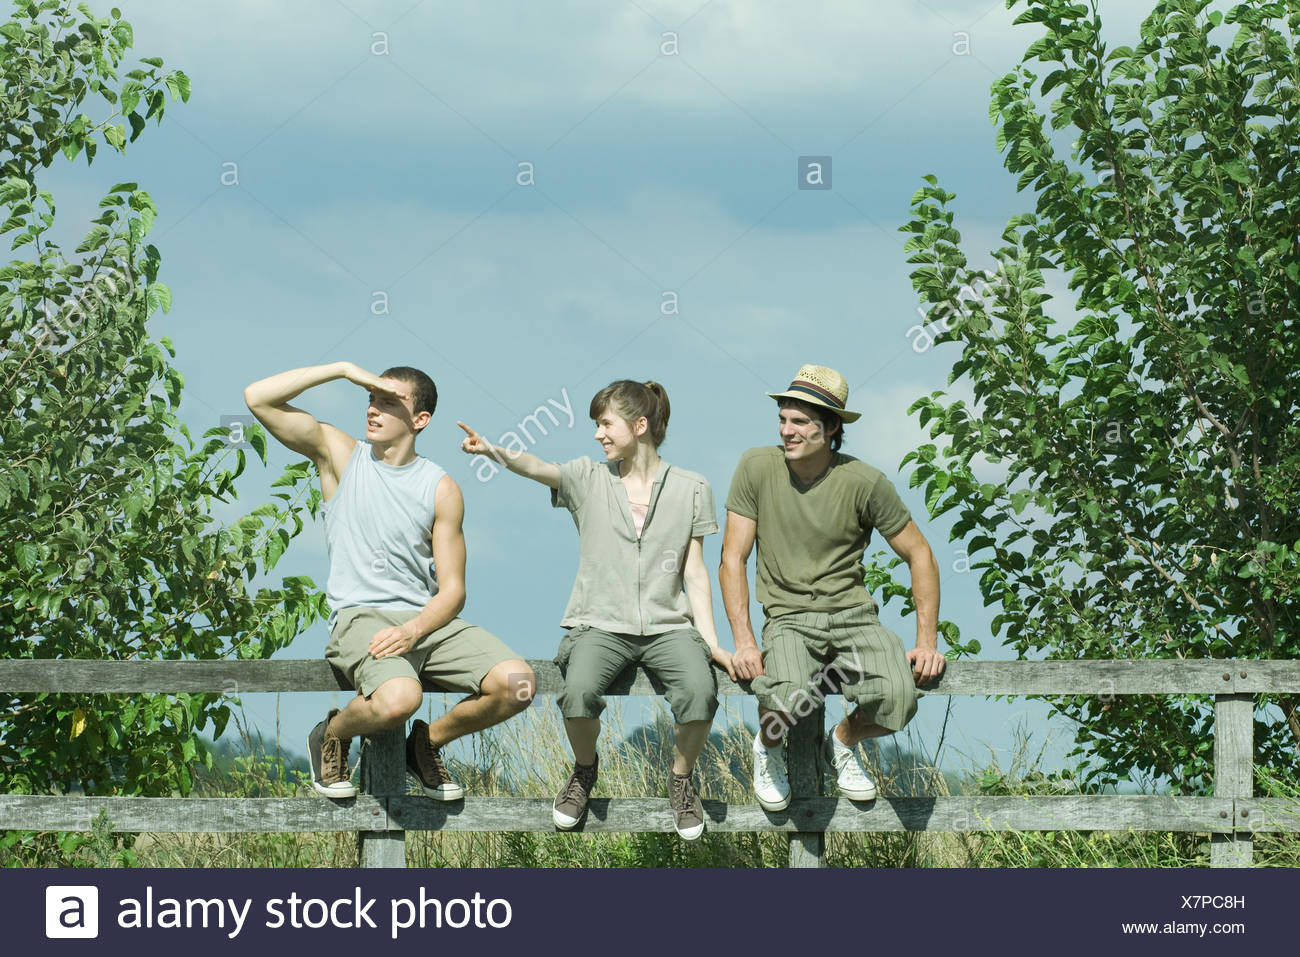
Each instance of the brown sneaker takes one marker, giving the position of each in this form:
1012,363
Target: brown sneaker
571,802
425,762
688,812
329,761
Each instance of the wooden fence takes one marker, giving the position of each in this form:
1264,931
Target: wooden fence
383,813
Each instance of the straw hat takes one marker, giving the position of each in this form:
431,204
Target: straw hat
820,386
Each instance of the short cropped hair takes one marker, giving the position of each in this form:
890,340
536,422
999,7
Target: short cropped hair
424,394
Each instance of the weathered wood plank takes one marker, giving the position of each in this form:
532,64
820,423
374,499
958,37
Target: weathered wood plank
181,815
814,815
804,766
383,774
1234,776
1264,815
381,848
195,677
1108,676
1090,676
84,676
808,815
1267,677
383,763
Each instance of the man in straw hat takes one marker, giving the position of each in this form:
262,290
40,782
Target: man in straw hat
812,509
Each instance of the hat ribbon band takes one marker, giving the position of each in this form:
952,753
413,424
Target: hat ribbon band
798,386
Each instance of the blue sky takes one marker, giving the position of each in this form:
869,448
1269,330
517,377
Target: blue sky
337,155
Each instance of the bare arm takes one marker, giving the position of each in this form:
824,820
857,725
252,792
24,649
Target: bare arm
327,446
737,543
699,591
449,561
910,545
521,463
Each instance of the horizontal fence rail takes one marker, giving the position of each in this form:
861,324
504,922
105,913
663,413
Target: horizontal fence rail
1090,676
385,812
620,815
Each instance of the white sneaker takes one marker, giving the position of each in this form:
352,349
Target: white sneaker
850,775
771,786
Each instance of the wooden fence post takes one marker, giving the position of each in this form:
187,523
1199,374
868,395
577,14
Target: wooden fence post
1234,772
383,776
804,764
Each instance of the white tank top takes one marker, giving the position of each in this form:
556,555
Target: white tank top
378,531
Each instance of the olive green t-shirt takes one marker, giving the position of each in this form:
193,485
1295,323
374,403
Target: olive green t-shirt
811,539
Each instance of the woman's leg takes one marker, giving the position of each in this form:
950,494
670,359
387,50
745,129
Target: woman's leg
688,744
583,733
682,660
593,660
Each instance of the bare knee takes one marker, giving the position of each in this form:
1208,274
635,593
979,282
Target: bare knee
511,685
396,700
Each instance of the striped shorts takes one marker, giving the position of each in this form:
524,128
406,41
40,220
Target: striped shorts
808,655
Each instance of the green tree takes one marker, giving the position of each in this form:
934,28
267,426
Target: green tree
1126,475
111,550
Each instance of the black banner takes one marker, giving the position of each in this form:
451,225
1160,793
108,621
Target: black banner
632,912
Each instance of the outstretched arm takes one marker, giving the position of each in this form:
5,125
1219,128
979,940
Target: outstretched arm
521,463
737,543
910,545
449,562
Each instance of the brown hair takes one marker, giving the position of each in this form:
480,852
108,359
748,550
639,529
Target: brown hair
631,400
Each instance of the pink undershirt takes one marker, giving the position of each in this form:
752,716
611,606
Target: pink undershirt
638,516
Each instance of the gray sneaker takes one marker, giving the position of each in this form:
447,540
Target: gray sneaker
425,762
571,802
688,813
329,761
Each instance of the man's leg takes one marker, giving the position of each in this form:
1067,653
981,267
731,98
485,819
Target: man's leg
857,727
388,693
874,674
506,690
388,706
465,657
786,692
328,743
773,726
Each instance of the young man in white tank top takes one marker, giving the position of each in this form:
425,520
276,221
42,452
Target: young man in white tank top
397,577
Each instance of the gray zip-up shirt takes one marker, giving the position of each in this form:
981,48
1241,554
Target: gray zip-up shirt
628,584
